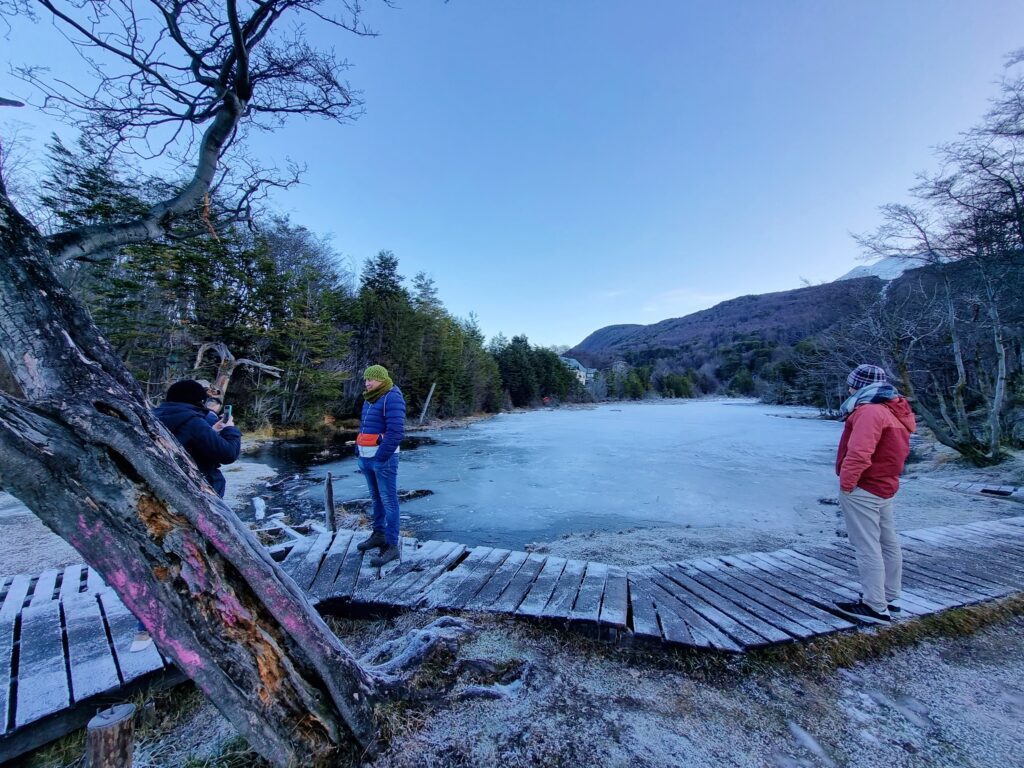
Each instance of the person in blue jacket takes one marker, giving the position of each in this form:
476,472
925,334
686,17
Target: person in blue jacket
209,444
381,429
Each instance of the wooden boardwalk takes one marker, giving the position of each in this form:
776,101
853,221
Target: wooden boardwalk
730,603
64,640
64,635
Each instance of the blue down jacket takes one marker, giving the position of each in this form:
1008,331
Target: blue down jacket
207,448
385,417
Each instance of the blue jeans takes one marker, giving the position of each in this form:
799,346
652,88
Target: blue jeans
382,480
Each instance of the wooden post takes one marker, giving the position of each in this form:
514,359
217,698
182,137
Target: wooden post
332,525
426,405
109,738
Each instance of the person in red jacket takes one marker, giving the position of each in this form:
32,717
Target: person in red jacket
872,451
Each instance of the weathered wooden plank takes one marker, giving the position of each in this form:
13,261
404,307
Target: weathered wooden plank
496,585
953,545
735,631
72,582
821,591
761,591
372,580
912,602
297,554
965,549
941,566
417,592
961,542
993,567
993,533
415,558
369,576
816,574
519,587
673,627
474,579
334,557
42,675
45,586
305,568
349,570
434,560
17,593
812,600
743,613
1004,527
949,595
615,600
92,665
14,599
703,633
914,575
940,569
642,606
10,611
587,607
94,582
842,575
123,628
439,594
7,622
568,586
542,588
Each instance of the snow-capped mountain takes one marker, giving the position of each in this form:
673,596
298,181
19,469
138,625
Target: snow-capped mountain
888,268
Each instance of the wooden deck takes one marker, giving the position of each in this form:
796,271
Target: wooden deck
730,603
64,635
64,640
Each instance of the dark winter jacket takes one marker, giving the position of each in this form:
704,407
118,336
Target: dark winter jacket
386,417
874,447
209,449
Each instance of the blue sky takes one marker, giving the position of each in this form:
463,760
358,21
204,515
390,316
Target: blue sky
562,166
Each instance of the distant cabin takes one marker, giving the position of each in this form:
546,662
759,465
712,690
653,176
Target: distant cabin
584,374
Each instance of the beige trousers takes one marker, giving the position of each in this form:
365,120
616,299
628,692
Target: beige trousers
872,529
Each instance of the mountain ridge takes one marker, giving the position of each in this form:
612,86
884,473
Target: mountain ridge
783,317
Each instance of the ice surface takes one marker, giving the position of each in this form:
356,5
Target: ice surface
533,476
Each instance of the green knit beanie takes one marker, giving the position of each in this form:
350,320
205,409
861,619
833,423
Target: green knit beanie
377,373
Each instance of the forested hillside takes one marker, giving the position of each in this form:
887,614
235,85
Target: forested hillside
950,332
277,294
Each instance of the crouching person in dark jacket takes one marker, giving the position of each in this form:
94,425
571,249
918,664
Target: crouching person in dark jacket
381,429
210,445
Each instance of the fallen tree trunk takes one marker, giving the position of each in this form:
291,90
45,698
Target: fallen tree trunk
84,453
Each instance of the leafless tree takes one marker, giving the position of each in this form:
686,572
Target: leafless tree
967,223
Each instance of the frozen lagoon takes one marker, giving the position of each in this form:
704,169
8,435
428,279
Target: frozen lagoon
739,473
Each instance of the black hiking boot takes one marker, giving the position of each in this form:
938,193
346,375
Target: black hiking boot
891,607
864,613
389,553
375,541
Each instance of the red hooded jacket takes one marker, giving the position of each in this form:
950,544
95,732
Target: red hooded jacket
874,447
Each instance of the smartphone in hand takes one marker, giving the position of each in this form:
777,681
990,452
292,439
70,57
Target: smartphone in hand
226,415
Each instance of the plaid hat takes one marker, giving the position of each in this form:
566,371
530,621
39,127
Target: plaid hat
376,372
865,374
